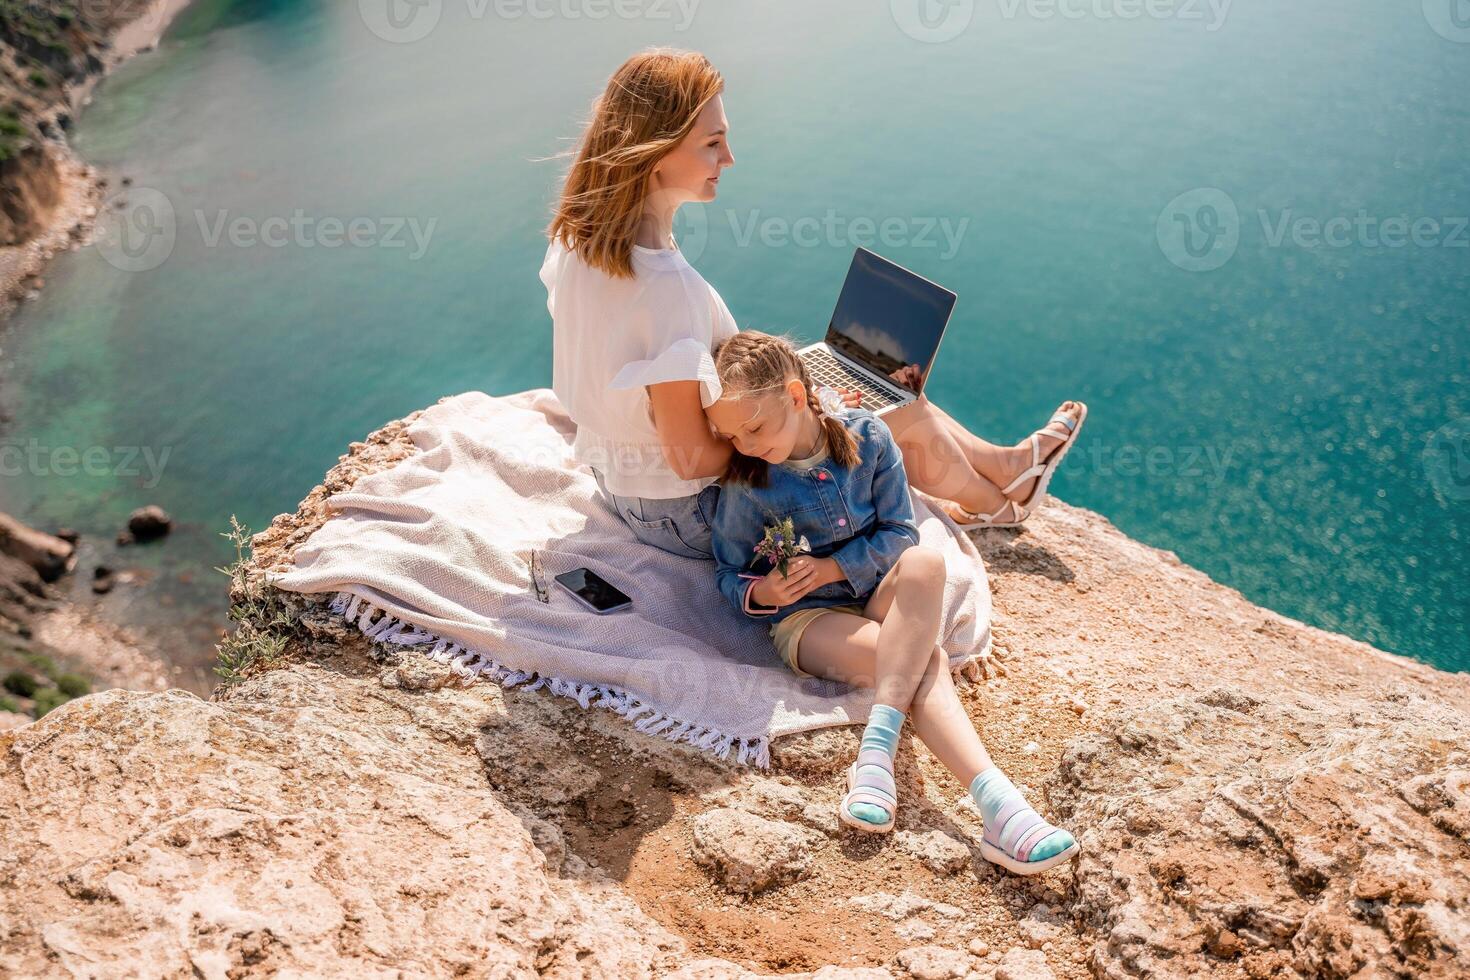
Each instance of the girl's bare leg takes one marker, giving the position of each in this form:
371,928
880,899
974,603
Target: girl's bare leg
851,649
845,648
913,593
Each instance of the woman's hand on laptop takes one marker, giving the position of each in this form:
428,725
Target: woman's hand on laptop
908,376
850,398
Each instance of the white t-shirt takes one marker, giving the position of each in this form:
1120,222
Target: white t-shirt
610,337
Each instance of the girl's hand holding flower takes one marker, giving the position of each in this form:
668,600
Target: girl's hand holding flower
777,589
802,575
795,573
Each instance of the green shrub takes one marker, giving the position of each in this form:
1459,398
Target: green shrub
46,699
21,683
73,686
41,663
264,625
12,133
8,703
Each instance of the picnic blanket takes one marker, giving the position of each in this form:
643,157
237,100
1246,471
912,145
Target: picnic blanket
433,555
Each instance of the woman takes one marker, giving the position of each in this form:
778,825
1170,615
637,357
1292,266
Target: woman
634,324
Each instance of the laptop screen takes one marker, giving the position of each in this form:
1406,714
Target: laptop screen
890,320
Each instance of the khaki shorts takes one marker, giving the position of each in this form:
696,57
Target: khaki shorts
787,633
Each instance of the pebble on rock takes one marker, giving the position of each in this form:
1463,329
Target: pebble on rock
938,851
1023,964
934,963
748,854
147,523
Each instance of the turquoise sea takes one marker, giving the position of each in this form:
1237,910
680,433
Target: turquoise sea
1238,231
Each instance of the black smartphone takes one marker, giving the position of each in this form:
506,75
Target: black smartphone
593,591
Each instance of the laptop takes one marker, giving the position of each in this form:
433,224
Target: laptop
884,333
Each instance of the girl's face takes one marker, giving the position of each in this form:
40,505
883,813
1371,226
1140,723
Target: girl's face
768,425
690,170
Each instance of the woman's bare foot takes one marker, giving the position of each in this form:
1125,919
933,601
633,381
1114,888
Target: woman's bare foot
957,513
1018,458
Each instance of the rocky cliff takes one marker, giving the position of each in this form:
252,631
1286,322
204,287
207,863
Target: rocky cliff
52,53
1255,798
51,649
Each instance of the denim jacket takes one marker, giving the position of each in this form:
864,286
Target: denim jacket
862,518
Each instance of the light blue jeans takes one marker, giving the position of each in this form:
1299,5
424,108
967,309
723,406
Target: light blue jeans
678,525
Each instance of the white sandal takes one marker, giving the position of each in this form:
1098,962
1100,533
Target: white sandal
869,789
1041,471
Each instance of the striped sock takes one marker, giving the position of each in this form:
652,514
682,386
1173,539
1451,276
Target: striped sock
1011,824
884,724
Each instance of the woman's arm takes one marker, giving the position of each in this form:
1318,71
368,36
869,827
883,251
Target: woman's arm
690,446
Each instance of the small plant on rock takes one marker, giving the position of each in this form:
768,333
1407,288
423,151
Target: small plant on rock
263,623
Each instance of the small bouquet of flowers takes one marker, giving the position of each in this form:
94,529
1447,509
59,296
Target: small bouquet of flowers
781,544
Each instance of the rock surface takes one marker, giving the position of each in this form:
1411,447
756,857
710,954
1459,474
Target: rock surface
48,555
1023,964
1255,798
146,524
304,825
749,854
1321,838
51,648
934,963
938,851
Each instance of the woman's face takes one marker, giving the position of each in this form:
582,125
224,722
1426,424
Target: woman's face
766,426
690,170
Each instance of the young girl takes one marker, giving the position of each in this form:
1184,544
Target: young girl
864,607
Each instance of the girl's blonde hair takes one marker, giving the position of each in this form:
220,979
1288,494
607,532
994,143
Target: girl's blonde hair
650,104
756,363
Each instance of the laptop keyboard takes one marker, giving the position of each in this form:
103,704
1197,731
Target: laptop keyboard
825,369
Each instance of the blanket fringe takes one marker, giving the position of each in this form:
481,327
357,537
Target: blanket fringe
382,627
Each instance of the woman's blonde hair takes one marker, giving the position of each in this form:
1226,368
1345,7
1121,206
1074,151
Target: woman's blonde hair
756,363
650,104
